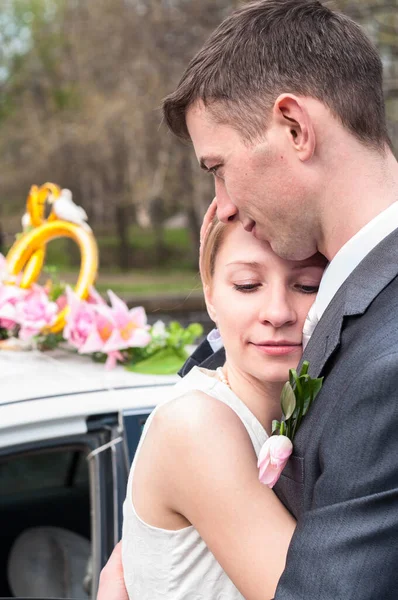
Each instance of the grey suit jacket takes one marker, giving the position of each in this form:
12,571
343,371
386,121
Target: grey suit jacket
342,480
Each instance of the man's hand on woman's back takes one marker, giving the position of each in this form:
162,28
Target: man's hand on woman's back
111,584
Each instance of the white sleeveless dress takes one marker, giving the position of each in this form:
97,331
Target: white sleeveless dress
160,564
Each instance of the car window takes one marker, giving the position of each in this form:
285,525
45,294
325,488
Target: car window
43,470
133,425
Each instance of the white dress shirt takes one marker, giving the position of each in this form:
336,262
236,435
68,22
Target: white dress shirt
214,339
346,260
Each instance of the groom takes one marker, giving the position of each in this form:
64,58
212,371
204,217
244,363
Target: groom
284,107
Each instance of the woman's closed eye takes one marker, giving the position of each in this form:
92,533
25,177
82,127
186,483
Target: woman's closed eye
247,288
307,289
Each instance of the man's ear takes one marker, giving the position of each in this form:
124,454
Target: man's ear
211,311
291,112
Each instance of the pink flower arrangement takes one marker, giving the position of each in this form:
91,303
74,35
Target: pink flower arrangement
96,327
10,297
273,457
91,325
80,320
35,312
30,310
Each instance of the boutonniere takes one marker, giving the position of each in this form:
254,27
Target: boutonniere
296,398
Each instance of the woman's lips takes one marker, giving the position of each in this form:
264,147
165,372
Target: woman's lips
278,350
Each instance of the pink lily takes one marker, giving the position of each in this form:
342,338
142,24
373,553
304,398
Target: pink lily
130,326
98,327
94,297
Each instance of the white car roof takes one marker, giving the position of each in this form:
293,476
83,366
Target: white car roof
51,394
31,375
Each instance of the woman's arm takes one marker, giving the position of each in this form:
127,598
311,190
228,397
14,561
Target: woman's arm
204,467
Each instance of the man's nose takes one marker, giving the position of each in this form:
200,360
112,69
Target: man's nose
226,213
226,209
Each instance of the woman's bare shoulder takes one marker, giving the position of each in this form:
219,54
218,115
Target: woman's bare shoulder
200,428
196,412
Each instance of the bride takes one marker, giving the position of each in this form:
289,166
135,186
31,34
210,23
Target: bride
198,524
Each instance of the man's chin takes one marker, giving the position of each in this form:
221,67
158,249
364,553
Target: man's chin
288,250
292,251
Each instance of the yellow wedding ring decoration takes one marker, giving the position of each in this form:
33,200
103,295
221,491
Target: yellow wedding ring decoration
65,219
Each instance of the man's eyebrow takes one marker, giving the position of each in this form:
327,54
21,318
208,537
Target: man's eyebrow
217,160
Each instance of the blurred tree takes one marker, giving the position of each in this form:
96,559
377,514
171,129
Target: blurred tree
380,20
81,82
80,103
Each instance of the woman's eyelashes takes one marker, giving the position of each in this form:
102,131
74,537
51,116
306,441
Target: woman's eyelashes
307,289
246,287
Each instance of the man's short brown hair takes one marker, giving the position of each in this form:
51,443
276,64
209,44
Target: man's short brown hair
270,47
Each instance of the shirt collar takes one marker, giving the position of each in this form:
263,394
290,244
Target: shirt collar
214,339
352,253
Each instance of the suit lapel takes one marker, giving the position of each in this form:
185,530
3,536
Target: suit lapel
326,335
356,294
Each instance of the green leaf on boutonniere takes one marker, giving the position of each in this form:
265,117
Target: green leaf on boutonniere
288,400
313,387
275,427
296,398
304,368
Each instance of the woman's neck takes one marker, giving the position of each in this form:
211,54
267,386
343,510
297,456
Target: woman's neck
262,398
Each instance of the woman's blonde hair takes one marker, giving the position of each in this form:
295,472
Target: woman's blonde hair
211,244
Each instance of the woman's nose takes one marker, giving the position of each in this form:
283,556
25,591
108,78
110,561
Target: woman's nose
277,310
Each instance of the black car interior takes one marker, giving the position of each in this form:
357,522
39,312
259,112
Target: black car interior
47,487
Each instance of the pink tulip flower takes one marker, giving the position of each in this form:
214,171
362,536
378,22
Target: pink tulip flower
272,459
35,312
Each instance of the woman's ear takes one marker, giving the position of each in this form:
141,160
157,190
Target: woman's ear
209,304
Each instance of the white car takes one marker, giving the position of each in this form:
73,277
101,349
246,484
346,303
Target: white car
68,432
